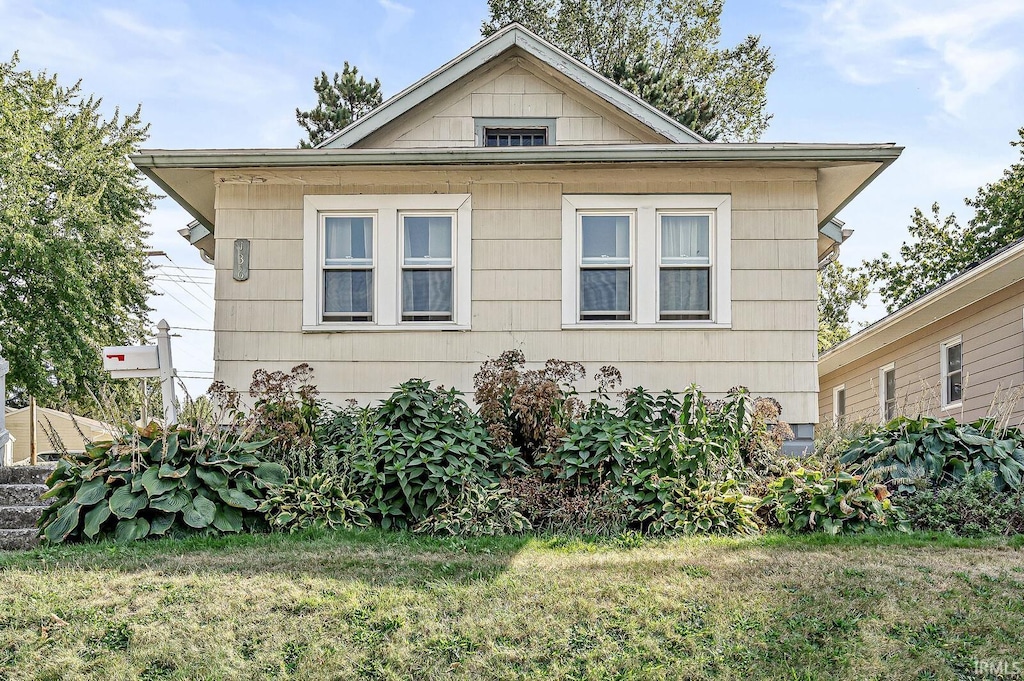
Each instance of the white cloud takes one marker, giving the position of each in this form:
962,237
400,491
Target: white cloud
396,17
959,50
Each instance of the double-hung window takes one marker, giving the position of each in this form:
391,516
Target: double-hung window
386,262
428,268
952,372
839,404
887,392
606,267
347,268
684,276
646,260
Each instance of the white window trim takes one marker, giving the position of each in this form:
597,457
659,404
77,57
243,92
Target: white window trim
944,372
835,403
646,208
387,272
891,366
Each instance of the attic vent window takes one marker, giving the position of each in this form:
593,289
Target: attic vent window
516,137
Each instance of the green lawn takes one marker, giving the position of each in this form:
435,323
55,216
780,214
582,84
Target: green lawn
372,605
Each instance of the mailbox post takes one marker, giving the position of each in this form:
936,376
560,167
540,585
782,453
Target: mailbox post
145,361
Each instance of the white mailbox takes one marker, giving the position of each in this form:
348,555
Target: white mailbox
132,361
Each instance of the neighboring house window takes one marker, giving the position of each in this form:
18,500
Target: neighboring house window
952,372
605,267
428,268
347,268
646,260
887,391
839,404
383,262
514,132
515,137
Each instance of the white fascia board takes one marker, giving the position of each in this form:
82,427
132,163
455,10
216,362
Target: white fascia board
513,35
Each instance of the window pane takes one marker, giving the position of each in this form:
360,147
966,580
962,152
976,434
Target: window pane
685,292
348,293
605,239
954,388
890,383
685,240
953,358
515,137
840,403
427,293
348,241
428,240
604,293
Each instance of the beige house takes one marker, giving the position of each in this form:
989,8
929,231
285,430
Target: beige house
957,351
69,429
514,198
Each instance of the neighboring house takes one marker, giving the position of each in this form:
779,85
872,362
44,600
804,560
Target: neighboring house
65,425
956,351
516,199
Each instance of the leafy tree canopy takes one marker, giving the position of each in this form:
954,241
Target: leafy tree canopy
340,101
72,264
839,288
940,247
664,51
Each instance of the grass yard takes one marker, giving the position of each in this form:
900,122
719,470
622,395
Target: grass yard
372,605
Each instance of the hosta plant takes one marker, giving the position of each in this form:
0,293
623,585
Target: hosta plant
701,507
476,511
809,501
154,480
943,452
316,501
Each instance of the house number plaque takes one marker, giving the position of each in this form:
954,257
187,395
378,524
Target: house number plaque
241,259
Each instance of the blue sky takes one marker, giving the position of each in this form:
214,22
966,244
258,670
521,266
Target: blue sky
941,77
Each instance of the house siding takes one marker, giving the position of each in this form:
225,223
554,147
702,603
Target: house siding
517,87
516,283
992,332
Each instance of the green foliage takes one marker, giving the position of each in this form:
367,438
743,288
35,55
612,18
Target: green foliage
702,507
72,237
556,507
340,101
665,51
153,481
416,449
940,248
905,451
971,507
315,501
474,512
808,500
839,288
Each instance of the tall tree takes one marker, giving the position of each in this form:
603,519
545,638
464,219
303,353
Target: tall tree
73,273
940,248
665,51
340,101
839,289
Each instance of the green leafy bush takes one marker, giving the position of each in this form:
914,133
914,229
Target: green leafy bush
152,481
701,507
808,500
907,451
970,508
316,501
416,449
476,511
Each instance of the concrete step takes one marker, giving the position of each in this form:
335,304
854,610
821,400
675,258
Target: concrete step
22,475
22,495
18,540
20,517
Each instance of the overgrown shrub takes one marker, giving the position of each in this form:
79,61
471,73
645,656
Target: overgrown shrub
701,507
907,451
808,501
416,449
970,507
153,480
316,501
474,512
556,507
